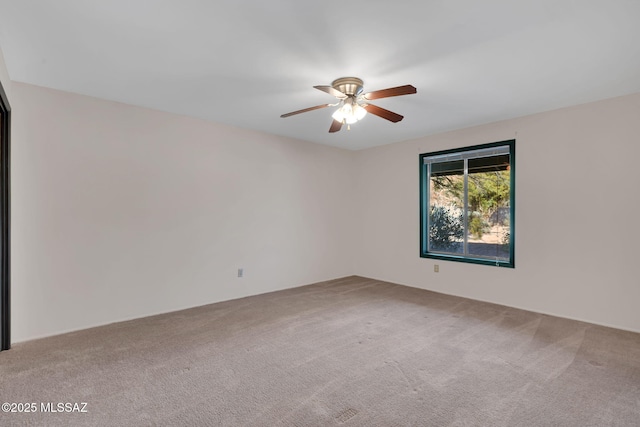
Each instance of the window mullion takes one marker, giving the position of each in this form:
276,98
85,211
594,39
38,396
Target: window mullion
465,248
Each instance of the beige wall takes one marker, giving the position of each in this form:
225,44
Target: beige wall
122,212
577,205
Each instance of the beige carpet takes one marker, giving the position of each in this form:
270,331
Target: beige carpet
352,352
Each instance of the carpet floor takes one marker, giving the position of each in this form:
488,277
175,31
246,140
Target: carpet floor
352,352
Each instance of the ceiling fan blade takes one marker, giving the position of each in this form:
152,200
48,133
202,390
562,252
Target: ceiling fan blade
317,107
335,126
332,91
393,91
381,112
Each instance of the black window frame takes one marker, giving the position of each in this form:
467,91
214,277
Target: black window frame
5,226
424,206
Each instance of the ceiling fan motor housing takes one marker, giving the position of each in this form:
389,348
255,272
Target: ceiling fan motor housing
350,86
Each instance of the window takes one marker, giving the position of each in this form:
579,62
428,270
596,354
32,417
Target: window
467,204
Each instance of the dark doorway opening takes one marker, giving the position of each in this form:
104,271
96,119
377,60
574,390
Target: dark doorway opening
5,212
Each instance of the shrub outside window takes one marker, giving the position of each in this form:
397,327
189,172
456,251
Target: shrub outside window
467,204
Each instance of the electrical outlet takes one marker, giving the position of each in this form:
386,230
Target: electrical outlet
436,268
240,272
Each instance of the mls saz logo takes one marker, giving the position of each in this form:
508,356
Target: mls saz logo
64,407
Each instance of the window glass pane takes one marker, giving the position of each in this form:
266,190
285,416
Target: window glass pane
446,202
488,207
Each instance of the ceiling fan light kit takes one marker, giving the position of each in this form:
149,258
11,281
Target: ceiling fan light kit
352,103
349,113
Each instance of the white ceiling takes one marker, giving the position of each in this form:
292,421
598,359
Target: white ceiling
245,62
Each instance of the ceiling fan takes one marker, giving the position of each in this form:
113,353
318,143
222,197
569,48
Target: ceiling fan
353,104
